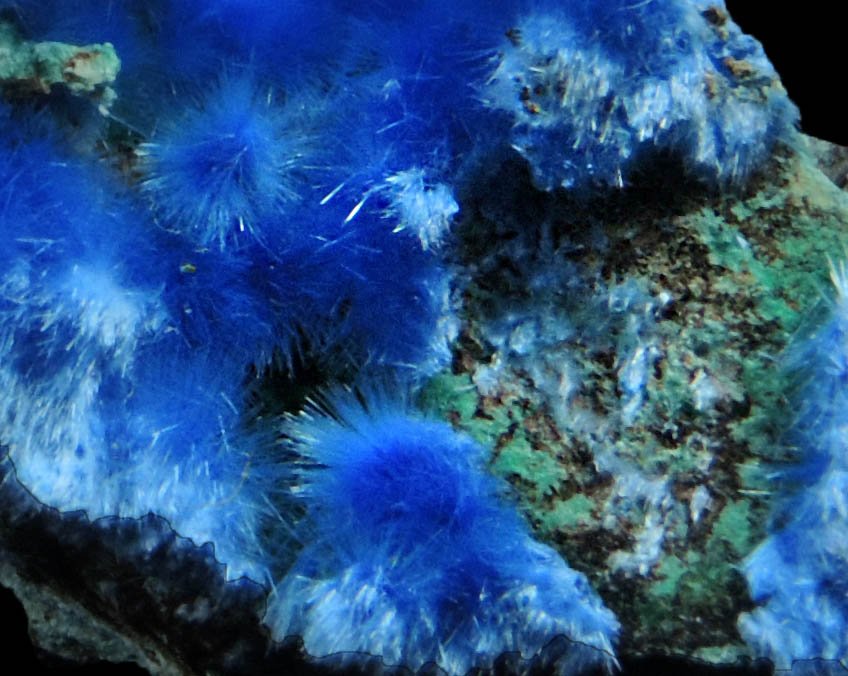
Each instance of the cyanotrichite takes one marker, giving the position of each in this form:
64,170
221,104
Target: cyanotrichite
414,551
295,192
798,575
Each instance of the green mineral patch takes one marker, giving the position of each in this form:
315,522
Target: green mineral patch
572,513
723,654
710,585
450,396
536,467
454,398
734,527
668,575
727,246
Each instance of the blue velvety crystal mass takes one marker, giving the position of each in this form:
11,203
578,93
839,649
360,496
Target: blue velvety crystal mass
799,573
296,168
593,85
434,562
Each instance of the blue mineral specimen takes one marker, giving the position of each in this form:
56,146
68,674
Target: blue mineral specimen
118,388
798,575
225,169
415,554
291,172
593,86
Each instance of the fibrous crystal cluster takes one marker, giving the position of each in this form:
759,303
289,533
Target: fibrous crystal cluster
595,85
798,574
433,562
276,183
